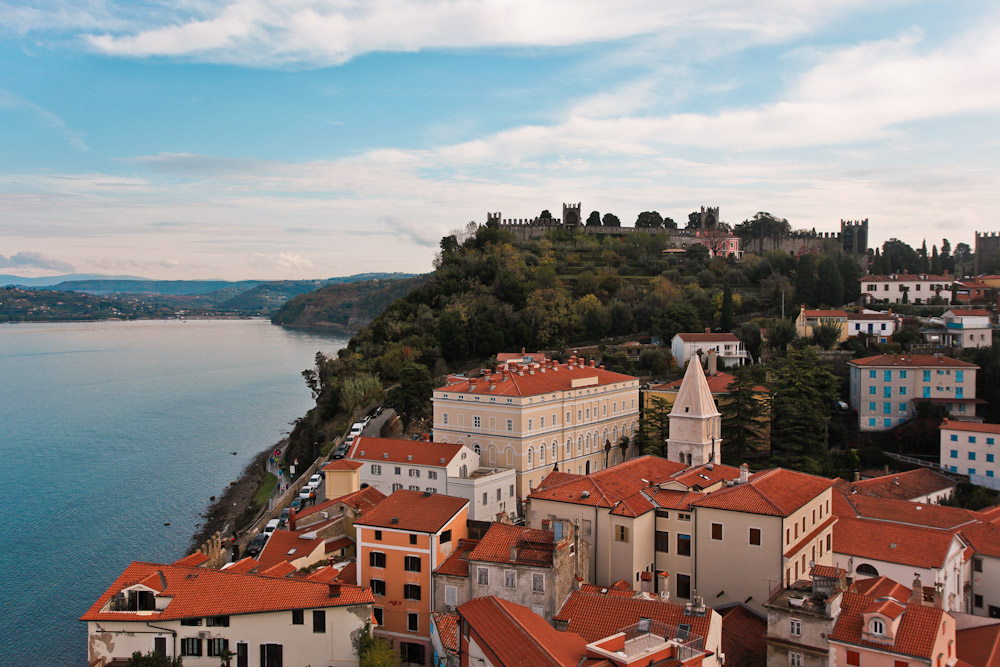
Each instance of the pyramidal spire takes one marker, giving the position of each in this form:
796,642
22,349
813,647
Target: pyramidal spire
694,399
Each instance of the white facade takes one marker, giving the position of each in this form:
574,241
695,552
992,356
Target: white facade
968,328
918,288
695,421
970,448
872,323
728,347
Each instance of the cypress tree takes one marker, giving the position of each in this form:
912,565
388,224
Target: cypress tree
727,320
831,285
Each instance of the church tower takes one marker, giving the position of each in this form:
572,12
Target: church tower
695,421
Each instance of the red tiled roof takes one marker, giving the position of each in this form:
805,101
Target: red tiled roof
971,312
282,569
984,538
881,587
192,560
613,591
824,313
717,384
457,562
447,627
906,485
974,427
520,638
812,535
281,543
914,514
706,475
343,464
349,574
907,277
915,546
513,383
743,632
339,543
917,632
991,514
606,488
515,356
598,616
708,338
868,317
931,360
326,575
198,592
247,564
361,500
414,511
391,450
532,547
775,492
672,499
979,647
888,608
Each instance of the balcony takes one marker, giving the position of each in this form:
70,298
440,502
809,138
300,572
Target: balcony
649,641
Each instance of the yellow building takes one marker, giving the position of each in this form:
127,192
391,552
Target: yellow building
810,319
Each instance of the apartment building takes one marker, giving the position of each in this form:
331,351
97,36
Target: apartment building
984,577
968,327
907,288
970,448
399,544
808,320
884,387
453,469
726,346
187,610
802,616
880,326
539,417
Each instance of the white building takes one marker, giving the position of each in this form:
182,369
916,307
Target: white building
729,348
968,328
907,288
182,609
872,323
695,420
453,469
970,448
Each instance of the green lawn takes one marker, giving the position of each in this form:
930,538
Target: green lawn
264,490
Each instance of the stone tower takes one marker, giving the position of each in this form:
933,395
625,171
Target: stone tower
695,421
708,217
571,215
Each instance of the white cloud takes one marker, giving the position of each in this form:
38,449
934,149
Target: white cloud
34,260
283,261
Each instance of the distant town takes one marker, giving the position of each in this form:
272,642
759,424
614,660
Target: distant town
580,444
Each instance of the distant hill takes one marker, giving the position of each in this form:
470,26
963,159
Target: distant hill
37,305
47,281
347,307
158,287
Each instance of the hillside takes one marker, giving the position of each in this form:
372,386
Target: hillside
344,306
35,305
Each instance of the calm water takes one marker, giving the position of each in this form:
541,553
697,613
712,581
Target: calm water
110,430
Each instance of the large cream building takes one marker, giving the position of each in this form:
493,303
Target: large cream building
537,417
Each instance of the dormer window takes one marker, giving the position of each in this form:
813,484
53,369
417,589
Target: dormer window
877,627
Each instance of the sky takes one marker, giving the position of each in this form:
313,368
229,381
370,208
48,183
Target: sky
262,139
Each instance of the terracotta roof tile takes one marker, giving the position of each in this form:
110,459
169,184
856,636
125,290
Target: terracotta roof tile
914,546
391,450
192,560
674,499
908,277
540,382
613,591
932,361
280,545
447,627
282,569
917,632
596,616
974,427
325,574
717,384
198,592
361,500
339,543
349,575
979,647
520,638
457,562
343,464
247,564
708,338
984,538
605,488
414,511
907,485
971,312
743,632
700,477
827,571
881,587
775,492
914,514
532,547
824,313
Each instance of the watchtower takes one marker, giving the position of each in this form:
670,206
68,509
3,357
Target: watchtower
571,215
709,217
493,217
854,236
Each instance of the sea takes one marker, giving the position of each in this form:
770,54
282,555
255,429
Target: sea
113,438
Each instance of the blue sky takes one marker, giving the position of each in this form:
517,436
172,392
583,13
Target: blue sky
314,138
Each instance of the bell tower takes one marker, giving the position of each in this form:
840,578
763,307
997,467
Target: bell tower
695,420
571,215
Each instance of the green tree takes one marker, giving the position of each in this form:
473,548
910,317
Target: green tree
727,319
877,267
850,277
611,220
411,398
594,220
654,427
803,392
742,413
373,651
826,334
749,334
780,333
649,219
831,283
806,291
694,220
358,390
154,659
935,261
546,215
669,223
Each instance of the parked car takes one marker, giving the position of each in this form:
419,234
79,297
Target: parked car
284,514
304,493
256,545
357,428
317,478
296,504
271,526
341,451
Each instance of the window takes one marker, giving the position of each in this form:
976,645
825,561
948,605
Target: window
398,470
972,439
795,627
376,469
871,375
377,586
412,564
872,390
621,533
190,646
972,456
510,425
977,600
663,514
414,487
954,453
410,652
683,545
662,541
444,417
432,474
319,621
485,499
511,490
298,617
927,376
541,422
509,579
538,582
376,559
683,586
717,531
977,564
397,487
872,406
411,591
217,646
901,391
217,621
959,376
413,539
755,537
378,535
445,537
498,495
683,517
794,659
483,576
190,621
377,611
902,375
414,472
413,623
877,627
854,658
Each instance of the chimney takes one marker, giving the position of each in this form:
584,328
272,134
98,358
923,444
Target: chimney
523,352
916,591
885,469
857,475
291,518
593,363
744,473
713,363
708,330
335,590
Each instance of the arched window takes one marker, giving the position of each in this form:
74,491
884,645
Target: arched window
569,447
476,448
876,627
529,456
541,455
681,457
689,459
588,443
491,454
509,457
579,444
867,570
554,445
